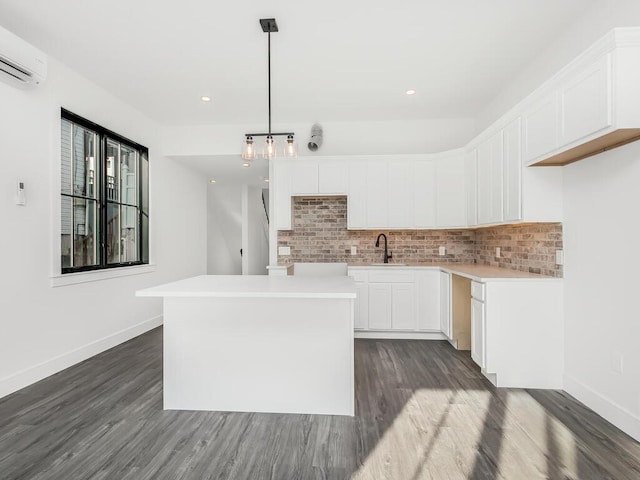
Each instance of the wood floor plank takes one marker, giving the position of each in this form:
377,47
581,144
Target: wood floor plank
423,411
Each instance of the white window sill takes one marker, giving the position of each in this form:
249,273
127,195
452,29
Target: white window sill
93,276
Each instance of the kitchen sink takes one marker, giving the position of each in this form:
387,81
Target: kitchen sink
388,264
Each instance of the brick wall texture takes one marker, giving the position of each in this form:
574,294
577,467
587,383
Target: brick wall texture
319,234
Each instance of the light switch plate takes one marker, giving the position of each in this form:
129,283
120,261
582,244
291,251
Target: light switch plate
354,250
559,257
497,252
284,250
442,251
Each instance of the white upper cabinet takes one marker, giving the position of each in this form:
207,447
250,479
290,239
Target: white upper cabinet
541,128
585,102
471,186
401,198
424,194
377,200
451,199
490,181
512,171
304,176
332,177
357,195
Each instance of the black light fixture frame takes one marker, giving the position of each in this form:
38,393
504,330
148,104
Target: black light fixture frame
269,26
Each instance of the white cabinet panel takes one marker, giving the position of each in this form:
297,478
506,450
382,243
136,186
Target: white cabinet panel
332,177
490,156
428,300
424,194
585,102
445,303
541,128
451,200
512,171
400,188
471,187
281,184
497,156
357,195
478,332
304,177
377,188
380,306
361,307
403,306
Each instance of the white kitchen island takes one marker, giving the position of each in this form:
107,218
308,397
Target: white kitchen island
258,344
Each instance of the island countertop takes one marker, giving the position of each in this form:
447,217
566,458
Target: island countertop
255,286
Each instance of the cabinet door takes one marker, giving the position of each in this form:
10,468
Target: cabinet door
470,186
478,332
585,102
281,185
304,177
379,306
400,187
512,168
424,194
451,200
377,203
490,156
332,177
361,310
445,303
403,306
357,195
428,300
541,128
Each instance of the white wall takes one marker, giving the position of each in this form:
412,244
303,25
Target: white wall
340,138
598,19
224,229
255,232
602,323
44,329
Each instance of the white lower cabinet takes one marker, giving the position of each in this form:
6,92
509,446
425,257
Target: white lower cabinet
445,304
380,306
361,307
477,332
403,306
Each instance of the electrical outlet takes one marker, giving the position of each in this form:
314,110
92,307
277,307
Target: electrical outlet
442,251
559,257
354,250
284,250
497,252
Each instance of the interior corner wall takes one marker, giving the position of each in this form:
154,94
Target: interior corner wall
255,232
46,329
224,229
598,19
602,327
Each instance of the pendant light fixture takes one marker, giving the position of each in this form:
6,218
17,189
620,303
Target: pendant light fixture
269,25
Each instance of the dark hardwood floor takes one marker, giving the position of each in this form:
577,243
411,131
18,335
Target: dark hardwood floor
423,411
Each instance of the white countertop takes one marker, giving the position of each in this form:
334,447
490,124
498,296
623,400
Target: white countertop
479,273
255,286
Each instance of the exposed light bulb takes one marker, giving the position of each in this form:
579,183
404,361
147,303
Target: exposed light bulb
290,149
249,150
269,148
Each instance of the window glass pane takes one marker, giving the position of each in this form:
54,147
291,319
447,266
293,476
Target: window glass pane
113,233
128,175
85,244
144,238
129,234
112,166
145,183
84,162
66,240
65,157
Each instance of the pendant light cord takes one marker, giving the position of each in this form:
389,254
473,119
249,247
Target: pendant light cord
269,56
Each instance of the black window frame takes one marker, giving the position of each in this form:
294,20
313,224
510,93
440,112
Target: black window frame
142,237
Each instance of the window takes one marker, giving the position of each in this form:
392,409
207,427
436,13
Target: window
105,198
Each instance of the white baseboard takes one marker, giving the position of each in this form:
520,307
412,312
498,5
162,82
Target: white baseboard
401,335
30,375
619,416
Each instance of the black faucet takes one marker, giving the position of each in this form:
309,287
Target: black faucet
387,255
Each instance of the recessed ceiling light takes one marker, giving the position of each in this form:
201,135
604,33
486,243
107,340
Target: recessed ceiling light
266,180
246,164
410,92
204,98
212,180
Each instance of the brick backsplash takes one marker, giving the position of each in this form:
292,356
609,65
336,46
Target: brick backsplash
320,234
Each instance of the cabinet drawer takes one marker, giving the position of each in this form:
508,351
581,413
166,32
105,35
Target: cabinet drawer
477,290
358,275
398,276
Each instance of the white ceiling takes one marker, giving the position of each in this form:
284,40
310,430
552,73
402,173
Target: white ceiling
334,60
227,169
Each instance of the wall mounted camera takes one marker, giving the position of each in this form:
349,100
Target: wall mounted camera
315,142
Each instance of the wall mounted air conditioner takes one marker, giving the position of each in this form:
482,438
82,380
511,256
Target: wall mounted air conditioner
21,64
